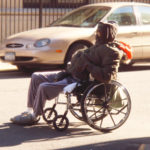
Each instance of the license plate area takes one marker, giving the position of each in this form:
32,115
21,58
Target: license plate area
10,56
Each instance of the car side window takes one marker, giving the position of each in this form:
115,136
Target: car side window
145,14
124,16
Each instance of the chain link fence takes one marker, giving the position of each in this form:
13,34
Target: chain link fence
21,15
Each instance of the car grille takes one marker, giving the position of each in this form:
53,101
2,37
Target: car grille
14,45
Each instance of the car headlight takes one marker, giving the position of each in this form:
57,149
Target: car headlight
42,42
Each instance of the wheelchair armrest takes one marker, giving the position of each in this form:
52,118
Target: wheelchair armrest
77,87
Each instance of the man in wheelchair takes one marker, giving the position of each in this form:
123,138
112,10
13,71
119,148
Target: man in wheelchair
100,61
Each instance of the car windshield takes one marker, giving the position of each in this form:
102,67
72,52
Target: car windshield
84,17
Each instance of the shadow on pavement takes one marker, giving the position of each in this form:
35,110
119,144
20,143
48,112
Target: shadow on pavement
9,74
12,135
13,74
134,68
125,144
18,74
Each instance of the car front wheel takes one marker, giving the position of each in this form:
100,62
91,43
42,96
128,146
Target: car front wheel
26,69
74,49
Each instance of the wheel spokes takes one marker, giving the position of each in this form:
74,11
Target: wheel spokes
109,109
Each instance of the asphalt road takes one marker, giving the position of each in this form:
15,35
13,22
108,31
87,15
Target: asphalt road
133,135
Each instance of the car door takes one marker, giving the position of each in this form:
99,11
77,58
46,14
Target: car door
129,31
144,12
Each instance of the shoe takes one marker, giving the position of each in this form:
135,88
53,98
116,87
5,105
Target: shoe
24,118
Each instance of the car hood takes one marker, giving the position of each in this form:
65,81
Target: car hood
52,33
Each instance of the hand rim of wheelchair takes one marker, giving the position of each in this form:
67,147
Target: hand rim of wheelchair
76,112
105,108
49,119
59,126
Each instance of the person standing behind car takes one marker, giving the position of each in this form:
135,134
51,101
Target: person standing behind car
101,61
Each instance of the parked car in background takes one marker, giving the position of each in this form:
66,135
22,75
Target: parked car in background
55,45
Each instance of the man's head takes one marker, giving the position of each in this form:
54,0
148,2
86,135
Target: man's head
106,32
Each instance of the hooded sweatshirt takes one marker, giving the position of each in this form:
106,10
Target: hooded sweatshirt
102,60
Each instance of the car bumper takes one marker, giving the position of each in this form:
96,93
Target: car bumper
32,56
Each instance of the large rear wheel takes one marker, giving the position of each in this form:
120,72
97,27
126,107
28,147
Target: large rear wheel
106,107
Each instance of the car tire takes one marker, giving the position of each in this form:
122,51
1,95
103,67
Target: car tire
73,49
26,69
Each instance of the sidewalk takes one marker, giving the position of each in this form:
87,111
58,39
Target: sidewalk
7,66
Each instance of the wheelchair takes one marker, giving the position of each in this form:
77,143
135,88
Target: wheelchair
103,106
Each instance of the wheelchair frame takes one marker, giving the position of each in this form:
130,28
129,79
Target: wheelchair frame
99,103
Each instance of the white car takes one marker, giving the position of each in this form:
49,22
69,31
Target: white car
55,45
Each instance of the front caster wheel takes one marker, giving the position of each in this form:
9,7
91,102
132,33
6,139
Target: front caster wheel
49,114
61,123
